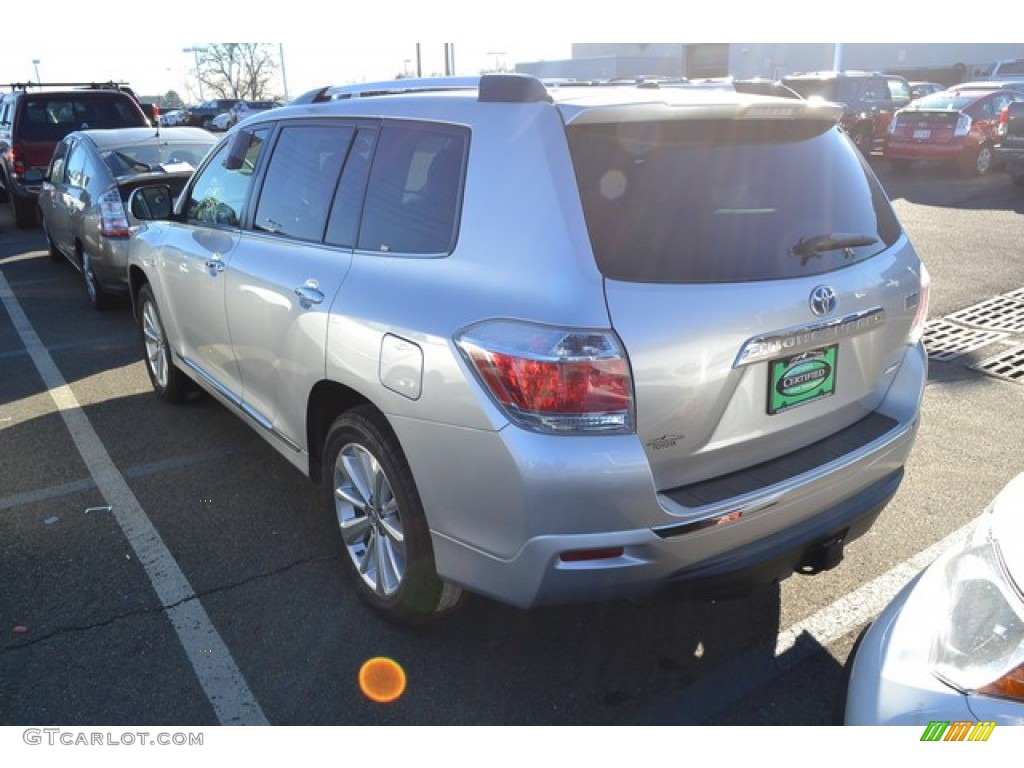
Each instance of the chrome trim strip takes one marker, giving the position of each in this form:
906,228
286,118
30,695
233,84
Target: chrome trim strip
733,510
240,404
791,340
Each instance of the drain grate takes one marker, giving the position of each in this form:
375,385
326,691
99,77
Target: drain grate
1002,313
1005,365
946,341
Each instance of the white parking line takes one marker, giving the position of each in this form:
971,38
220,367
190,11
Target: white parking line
216,670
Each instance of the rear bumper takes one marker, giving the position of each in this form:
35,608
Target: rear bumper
911,150
497,532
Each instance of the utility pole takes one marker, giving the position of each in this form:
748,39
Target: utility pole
196,51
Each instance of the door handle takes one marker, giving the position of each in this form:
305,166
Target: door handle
215,264
309,293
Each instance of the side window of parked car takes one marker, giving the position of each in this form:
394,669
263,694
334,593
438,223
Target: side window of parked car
76,171
348,202
57,164
301,180
219,192
414,190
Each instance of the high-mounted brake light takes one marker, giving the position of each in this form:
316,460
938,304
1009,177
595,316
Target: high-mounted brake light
554,380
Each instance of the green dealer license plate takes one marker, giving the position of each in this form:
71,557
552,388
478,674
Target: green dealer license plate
801,379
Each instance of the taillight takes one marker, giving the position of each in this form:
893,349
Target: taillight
963,125
17,164
113,219
923,298
554,380
1004,121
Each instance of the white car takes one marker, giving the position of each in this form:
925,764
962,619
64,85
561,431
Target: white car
950,646
222,122
171,117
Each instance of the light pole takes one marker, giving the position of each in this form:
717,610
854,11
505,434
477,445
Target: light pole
196,51
35,63
496,54
284,77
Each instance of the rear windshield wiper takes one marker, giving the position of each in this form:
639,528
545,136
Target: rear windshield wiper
808,247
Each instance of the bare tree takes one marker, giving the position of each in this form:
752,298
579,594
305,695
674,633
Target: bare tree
238,70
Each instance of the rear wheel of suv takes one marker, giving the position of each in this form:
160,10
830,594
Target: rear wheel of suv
369,489
168,381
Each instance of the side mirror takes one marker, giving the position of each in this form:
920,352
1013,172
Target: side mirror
151,203
237,150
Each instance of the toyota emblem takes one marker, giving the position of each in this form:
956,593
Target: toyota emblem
823,300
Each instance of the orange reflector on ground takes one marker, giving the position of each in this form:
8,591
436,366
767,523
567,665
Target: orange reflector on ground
382,679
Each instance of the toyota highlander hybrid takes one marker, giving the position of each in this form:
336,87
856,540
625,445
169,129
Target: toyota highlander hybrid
549,344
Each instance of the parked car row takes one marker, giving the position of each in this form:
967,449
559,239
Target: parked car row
32,123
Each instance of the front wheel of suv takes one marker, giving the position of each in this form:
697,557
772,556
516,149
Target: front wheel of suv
369,489
167,379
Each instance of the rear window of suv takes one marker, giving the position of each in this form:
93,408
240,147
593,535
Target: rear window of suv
51,118
705,201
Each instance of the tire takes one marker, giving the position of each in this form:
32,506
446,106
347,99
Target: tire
24,213
980,162
99,298
369,489
51,247
168,381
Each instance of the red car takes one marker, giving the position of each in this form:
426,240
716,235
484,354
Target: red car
956,125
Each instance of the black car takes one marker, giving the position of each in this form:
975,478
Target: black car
32,123
869,100
1010,149
201,115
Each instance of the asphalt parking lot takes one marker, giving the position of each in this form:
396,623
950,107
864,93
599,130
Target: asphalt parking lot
162,565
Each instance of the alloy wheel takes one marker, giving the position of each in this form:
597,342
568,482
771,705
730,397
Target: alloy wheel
370,519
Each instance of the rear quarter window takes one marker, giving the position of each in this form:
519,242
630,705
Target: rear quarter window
414,190
704,201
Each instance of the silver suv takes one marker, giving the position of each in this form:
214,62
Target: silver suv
550,345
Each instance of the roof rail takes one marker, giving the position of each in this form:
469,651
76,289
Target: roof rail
108,85
494,88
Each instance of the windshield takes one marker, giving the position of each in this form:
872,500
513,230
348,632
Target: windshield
727,201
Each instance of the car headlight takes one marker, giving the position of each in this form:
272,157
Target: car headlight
980,644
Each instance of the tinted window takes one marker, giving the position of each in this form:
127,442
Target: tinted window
725,201
301,179
52,118
219,192
348,203
413,195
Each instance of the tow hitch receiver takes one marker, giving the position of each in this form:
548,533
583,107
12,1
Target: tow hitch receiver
823,557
